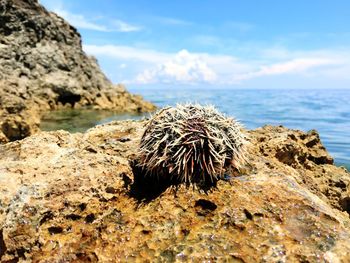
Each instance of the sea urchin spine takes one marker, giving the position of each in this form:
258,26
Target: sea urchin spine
192,143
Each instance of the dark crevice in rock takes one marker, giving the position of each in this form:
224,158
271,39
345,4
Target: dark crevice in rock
2,244
90,218
185,232
55,230
146,232
237,259
68,99
46,217
73,217
312,142
248,214
21,252
82,206
345,204
111,190
205,204
286,154
15,130
321,160
124,139
340,184
87,257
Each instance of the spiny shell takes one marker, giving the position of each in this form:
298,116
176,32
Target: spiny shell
192,143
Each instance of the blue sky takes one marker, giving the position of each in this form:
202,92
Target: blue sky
202,43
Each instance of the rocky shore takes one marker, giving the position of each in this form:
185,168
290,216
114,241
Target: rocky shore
79,198
82,198
43,67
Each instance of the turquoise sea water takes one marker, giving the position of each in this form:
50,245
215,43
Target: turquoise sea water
327,111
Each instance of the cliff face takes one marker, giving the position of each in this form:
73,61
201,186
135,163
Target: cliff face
77,198
43,67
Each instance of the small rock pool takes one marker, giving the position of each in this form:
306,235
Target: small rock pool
79,120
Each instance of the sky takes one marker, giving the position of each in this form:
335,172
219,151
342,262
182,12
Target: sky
216,44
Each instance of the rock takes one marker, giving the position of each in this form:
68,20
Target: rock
305,153
79,197
43,67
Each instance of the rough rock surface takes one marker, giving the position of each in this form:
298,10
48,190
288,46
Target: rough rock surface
43,67
78,198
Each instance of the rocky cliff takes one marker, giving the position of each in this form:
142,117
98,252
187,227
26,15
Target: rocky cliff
79,198
43,67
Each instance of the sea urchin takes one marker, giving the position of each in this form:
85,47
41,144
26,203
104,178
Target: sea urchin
192,143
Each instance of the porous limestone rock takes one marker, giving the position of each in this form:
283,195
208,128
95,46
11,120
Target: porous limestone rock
79,198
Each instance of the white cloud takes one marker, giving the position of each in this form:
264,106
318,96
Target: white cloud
151,66
184,67
293,66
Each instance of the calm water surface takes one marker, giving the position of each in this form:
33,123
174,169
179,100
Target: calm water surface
81,120
327,111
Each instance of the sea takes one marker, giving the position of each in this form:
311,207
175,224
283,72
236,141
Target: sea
327,111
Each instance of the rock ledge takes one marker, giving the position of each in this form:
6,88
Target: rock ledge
74,198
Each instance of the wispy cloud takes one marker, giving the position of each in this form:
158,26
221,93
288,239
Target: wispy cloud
122,26
80,21
299,65
128,53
